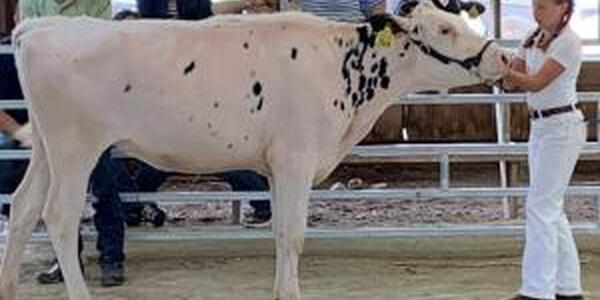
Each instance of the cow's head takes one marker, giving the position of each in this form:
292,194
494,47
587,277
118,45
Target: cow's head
444,51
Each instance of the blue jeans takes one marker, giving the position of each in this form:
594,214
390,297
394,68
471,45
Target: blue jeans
186,9
250,181
111,177
11,171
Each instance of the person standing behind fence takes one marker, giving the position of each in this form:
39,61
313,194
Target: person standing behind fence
343,10
546,67
186,9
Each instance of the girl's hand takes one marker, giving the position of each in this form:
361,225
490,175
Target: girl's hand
507,81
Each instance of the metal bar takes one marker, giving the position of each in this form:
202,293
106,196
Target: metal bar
284,5
591,150
416,99
407,194
444,171
237,233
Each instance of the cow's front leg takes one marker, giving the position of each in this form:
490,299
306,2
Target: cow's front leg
26,209
290,187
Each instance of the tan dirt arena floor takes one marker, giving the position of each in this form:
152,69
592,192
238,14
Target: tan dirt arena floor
375,269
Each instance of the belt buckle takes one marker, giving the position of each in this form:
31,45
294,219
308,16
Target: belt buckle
534,114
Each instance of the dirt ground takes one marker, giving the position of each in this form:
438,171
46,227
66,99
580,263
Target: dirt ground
174,271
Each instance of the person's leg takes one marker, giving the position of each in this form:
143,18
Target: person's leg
109,218
194,9
153,8
554,154
251,181
145,179
11,171
568,281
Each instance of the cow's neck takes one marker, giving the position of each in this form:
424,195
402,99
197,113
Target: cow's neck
372,78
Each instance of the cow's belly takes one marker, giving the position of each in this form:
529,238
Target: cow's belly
195,156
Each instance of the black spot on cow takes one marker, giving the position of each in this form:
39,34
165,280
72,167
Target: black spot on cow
407,46
354,99
127,88
246,138
401,54
340,43
260,103
374,68
294,53
230,146
385,82
383,67
189,68
257,88
375,82
374,55
209,125
342,106
370,94
246,45
364,37
216,104
335,103
362,82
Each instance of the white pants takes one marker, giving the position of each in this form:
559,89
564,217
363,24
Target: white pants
550,262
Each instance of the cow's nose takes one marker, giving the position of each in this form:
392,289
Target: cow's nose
504,59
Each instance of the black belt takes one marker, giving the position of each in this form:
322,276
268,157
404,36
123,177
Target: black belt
544,113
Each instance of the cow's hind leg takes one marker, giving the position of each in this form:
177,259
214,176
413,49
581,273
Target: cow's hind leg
290,187
71,165
27,204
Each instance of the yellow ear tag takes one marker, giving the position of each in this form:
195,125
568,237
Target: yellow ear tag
385,38
473,12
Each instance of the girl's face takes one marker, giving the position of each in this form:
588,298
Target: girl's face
548,14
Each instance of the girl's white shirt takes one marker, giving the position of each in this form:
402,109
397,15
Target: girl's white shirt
566,49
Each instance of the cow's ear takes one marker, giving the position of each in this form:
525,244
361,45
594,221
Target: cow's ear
474,8
395,23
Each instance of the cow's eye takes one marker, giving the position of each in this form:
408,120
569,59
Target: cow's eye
445,30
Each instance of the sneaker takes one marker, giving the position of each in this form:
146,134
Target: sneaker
113,275
258,221
54,274
574,297
521,297
153,214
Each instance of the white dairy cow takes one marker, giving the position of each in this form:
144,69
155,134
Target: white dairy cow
287,95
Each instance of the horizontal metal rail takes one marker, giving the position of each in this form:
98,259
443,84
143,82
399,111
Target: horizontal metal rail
238,233
414,99
407,194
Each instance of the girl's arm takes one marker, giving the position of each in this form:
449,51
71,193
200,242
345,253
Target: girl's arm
517,77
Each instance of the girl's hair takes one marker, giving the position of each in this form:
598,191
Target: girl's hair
538,38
